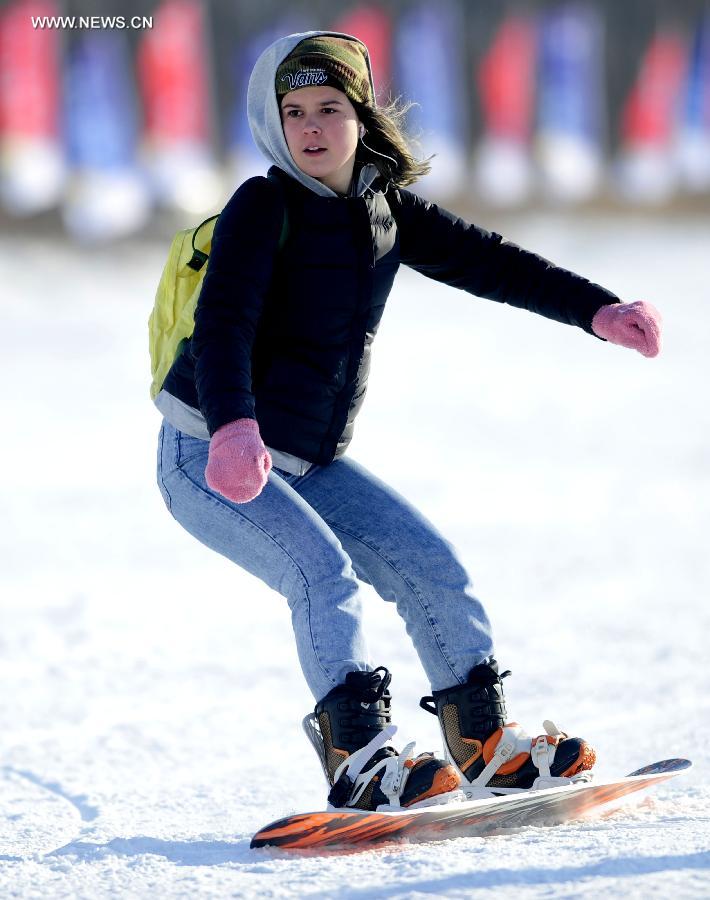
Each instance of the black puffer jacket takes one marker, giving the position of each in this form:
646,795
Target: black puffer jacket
284,335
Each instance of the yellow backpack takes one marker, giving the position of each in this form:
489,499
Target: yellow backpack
172,320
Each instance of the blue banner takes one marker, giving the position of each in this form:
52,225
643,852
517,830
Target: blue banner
100,107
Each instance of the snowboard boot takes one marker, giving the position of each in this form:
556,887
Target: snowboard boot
349,730
493,756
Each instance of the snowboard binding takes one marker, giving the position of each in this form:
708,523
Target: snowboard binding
350,730
494,757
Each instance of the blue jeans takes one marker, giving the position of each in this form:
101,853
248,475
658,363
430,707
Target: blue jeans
314,538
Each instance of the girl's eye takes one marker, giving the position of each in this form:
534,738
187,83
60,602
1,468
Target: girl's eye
297,113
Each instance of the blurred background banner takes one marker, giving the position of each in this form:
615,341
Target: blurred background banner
651,118
430,72
113,124
570,102
694,138
174,65
505,81
32,157
106,197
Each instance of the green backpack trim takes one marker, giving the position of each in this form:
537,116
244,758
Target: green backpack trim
173,317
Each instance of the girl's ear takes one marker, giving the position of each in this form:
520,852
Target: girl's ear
361,131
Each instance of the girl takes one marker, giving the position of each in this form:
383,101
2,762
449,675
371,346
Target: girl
259,408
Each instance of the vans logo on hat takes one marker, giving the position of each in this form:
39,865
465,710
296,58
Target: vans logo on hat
304,78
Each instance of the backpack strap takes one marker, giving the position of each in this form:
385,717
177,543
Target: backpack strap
199,257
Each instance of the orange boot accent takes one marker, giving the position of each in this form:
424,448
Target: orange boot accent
444,781
585,761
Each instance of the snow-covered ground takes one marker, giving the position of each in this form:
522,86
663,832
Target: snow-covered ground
151,697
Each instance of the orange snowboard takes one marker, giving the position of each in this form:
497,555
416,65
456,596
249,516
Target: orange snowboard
474,818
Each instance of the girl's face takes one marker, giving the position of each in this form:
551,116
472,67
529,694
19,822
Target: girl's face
321,129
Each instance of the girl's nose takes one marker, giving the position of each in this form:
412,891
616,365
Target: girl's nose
310,125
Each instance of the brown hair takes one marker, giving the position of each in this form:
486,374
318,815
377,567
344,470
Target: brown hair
386,144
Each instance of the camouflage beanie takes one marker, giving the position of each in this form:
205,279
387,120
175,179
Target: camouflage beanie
334,61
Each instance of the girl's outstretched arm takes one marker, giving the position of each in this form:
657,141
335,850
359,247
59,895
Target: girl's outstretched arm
436,243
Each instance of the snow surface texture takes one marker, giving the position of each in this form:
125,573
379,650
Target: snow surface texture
148,728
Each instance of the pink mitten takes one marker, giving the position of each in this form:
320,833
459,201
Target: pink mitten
238,462
634,325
